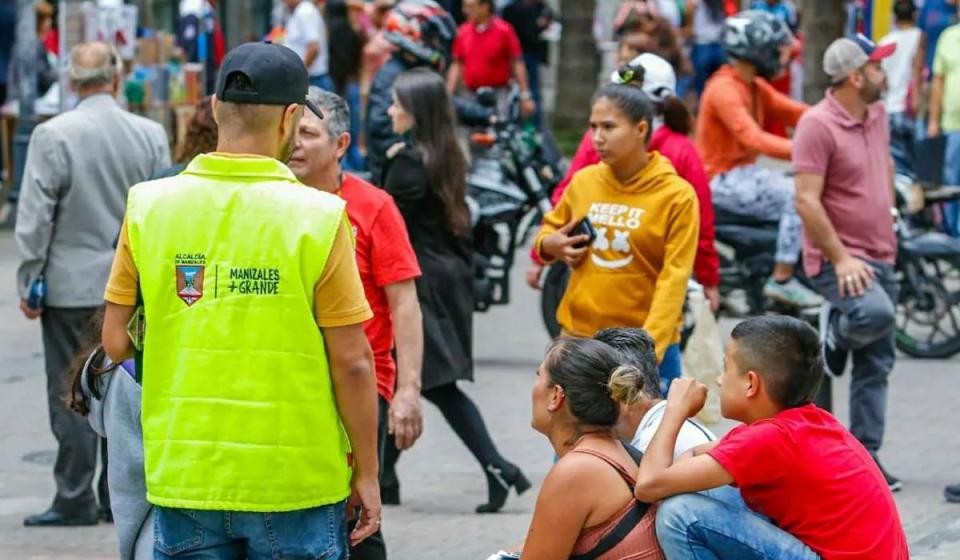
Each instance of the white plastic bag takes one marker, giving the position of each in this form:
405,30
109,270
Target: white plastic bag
703,355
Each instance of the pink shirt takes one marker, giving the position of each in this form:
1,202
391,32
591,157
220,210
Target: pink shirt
853,157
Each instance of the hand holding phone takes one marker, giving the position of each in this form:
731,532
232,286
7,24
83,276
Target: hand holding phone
570,243
584,227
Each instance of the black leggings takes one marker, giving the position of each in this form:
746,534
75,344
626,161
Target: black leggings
465,419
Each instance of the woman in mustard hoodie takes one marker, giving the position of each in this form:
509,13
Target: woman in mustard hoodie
646,218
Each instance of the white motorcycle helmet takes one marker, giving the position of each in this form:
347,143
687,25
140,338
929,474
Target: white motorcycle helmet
654,75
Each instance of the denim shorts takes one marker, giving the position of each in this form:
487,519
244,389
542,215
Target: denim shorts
316,533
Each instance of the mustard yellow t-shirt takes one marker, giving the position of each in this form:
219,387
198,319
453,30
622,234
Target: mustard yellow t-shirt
339,298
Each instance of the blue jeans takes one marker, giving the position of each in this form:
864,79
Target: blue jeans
703,527
670,367
951,177
322,81
706,58
319,532
353,160
866,326
532,65
902,133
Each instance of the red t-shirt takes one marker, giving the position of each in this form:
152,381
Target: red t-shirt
813,479
384,257
487,53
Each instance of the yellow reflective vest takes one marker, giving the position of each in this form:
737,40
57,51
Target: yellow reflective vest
238,406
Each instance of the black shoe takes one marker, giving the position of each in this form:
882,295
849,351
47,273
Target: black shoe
51,518
500,478
834,358
952,493
892,481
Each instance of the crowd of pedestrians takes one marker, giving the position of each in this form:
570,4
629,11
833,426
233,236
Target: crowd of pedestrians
251,326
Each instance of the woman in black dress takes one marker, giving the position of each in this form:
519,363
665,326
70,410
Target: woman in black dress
426,175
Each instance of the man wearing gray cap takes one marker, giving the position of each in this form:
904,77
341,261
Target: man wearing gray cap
844,176
259,407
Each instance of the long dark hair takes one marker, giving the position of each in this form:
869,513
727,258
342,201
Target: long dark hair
423,93
76,400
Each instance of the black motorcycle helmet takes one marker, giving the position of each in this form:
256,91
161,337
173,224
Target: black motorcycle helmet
423,29
756,37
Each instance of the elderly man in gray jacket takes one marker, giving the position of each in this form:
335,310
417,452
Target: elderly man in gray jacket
79,167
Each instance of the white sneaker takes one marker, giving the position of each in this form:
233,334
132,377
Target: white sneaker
791,293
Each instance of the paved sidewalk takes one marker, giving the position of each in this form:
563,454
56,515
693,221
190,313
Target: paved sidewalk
441,483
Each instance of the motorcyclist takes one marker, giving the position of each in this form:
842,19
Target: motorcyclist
422,32
730,137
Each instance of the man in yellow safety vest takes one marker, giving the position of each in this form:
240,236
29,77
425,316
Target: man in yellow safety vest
259,399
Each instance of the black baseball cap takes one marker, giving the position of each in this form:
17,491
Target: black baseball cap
276,74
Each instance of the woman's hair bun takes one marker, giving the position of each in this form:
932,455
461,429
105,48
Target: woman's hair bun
626,384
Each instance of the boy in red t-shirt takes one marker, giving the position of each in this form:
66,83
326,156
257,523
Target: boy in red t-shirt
388,268
810,489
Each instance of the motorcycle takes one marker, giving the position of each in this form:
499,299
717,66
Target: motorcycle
509,183
927,267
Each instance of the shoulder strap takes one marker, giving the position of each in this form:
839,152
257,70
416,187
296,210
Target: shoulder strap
623,528
629,521
626,476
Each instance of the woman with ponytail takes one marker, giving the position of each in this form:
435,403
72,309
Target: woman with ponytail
672,126
580,387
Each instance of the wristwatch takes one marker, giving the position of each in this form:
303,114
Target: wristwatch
526,95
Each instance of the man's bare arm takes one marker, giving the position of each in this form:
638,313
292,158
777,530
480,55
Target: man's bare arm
520,74
936,106
816,223
659,477
116,341
355,387
406,416
313,51
453,77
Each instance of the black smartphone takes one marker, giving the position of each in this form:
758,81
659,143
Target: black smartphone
584,227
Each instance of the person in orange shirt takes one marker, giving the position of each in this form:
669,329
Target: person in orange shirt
730,137
647,222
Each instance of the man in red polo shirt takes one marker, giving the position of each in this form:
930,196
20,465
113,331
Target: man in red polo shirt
388,267
487,53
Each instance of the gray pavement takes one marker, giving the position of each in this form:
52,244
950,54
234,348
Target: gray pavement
441,483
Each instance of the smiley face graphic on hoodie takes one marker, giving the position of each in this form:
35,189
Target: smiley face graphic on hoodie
637,269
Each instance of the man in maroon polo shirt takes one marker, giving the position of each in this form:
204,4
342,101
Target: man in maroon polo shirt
844,174
487,53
